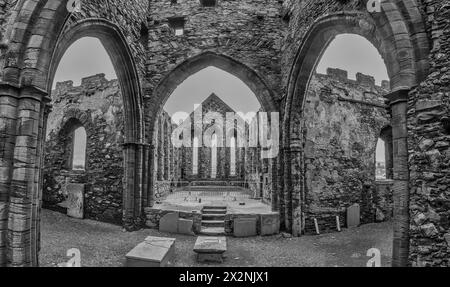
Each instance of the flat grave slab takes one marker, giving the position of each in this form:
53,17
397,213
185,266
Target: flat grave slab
153,252
210,249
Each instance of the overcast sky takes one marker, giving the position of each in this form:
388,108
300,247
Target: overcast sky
353,53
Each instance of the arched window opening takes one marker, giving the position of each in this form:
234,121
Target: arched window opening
214,156
79,149
384,155
195,148
380,169
233,157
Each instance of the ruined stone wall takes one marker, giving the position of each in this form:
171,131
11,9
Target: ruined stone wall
249,31
429,146
6,7
97,106
342,122
298,17
212,104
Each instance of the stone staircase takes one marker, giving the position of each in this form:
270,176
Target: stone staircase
213,220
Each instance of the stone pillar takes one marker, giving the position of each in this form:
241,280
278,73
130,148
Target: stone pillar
398,106
274,174
160,155
388,157
242,163
133,185
284,183
148,177
166,153
224,160
25,189
9,100
47,111
293,188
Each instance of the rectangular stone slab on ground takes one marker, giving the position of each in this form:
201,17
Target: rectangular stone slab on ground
75,201
210,249
153,252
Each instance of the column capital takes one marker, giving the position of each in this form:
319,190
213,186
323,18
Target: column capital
35,93
9,89
397,96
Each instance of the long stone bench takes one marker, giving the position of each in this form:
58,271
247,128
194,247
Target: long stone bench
153,252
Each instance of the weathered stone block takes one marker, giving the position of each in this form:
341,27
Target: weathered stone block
353,216
244,227
75,200
185,226
270,224
447,238
153,252
210,249
169,223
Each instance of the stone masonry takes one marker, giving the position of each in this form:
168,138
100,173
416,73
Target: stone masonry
273,47
342,123
97,106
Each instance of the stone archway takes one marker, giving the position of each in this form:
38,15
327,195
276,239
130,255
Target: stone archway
116,47
35,50
169,83
405,58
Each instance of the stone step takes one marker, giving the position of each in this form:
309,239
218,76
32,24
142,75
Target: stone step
212,216
213,223
213,231
214,187
215,211
214,207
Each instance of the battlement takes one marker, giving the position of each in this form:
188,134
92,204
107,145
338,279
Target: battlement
361,79
87,83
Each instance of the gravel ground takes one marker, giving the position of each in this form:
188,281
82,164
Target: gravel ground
104,244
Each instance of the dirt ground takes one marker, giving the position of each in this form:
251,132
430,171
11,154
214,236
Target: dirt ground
105,245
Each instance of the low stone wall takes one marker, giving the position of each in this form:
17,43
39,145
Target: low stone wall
154,215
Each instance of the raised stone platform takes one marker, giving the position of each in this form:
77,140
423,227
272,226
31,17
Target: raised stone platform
210,249
153,252
182,214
